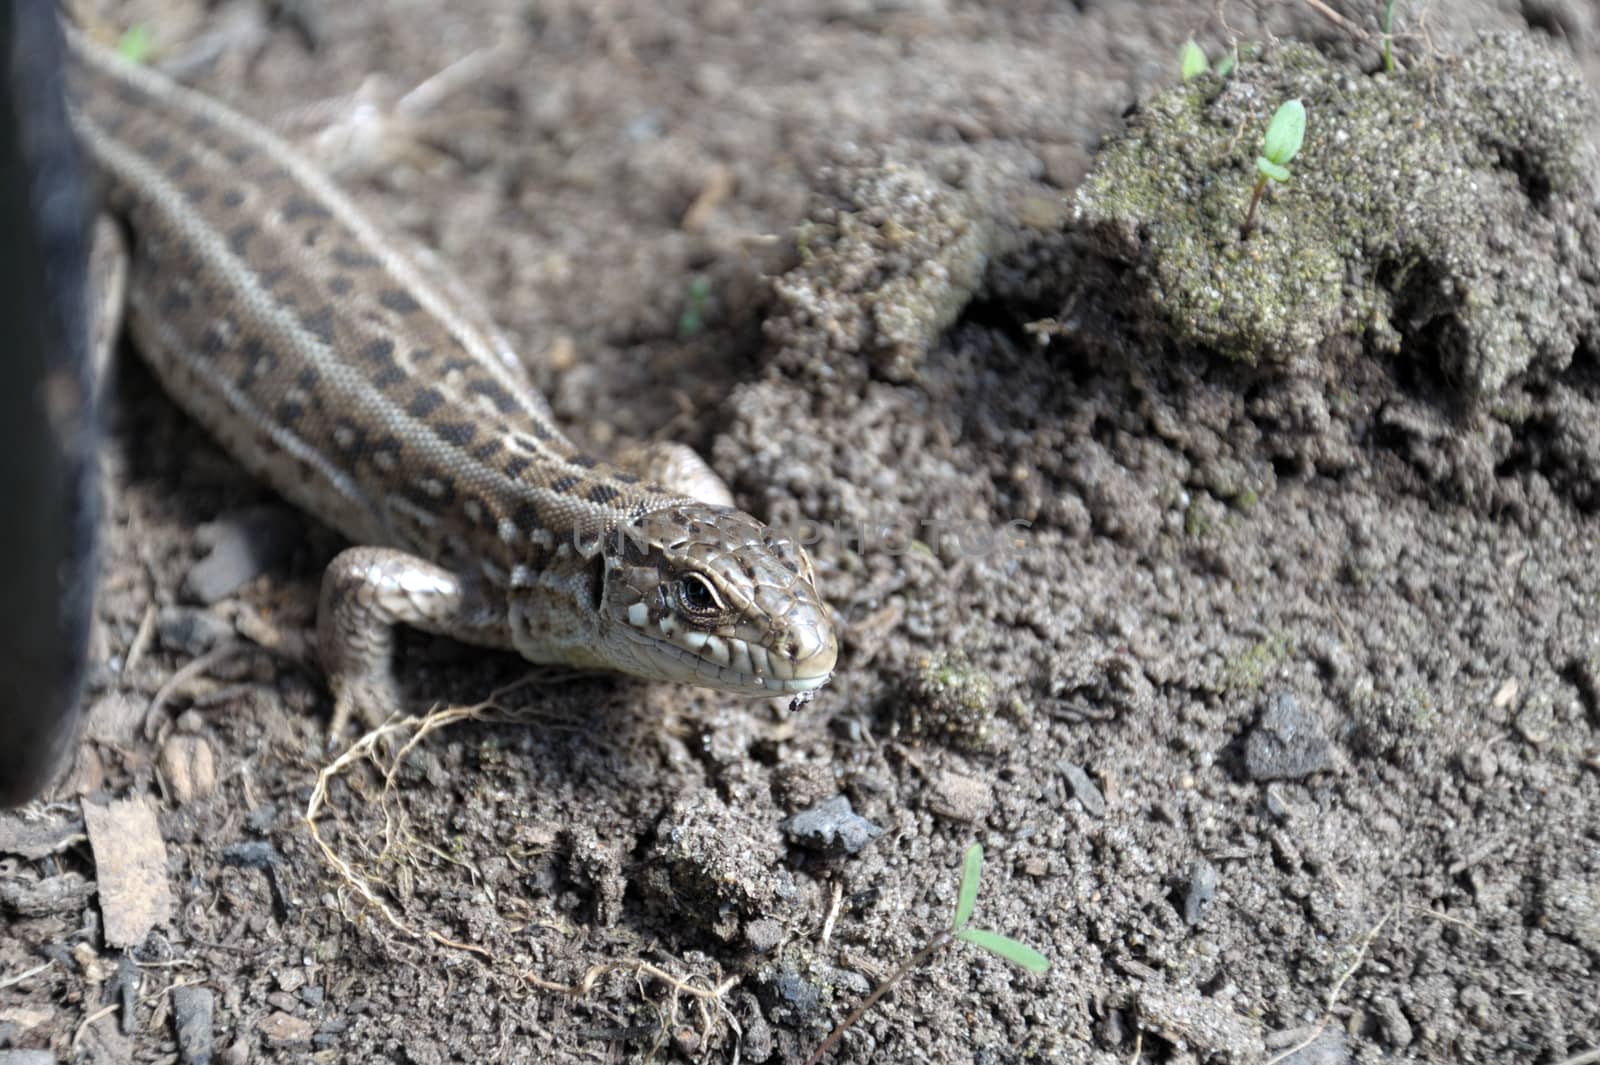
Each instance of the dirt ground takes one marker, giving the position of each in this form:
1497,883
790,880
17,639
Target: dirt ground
1273,694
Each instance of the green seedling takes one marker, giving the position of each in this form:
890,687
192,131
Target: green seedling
1388,37
1192,60
134,46
1018,954
1226,64
1284,134
693,318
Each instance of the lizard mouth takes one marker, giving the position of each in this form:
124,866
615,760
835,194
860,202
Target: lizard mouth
726,663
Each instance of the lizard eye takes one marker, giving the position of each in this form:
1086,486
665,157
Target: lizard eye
697,596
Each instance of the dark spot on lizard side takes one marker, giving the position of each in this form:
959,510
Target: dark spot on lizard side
352,259
564,484
297,207
399,301
239,237
515,467
232,198
503,401
380,353
459,434
157,148
433,493
584,462
526,517
319,323
258,359
487,450
425,403
270,279
288,411
175,300
602,494
340,285
213,341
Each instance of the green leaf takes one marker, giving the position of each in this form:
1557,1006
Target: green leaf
134,46
1192,61
693,318
1226,64
1272,170
1007,948
1285,132
967,898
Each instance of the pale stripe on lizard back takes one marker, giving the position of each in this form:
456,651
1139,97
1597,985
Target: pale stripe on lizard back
368,389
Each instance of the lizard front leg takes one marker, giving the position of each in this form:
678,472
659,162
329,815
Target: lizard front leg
366,592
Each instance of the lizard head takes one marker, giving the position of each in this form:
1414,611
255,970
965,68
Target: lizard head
707,595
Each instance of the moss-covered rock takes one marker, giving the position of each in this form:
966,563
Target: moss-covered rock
888,259
949,699
1440,211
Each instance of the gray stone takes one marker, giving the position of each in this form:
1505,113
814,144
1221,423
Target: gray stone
1083,788
831,827
191,1012
1202,889
1288,743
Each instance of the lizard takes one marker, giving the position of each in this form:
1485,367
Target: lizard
367,387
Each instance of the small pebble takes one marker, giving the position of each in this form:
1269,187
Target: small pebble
243,545
1083,788
831,827
192,1011
285,1031
1396,1028
1288,743
960,798
189,767
1202,889
763,934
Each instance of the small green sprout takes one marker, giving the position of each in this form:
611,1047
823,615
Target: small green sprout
1192,60
1226,64
1388,37
1285,133
134,46
693,318
1018,954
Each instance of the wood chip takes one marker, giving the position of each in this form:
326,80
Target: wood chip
131,866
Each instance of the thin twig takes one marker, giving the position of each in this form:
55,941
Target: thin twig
1338,987
938,943
369,747
12,981
1585,1058
87,1021
1337,19
833,915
